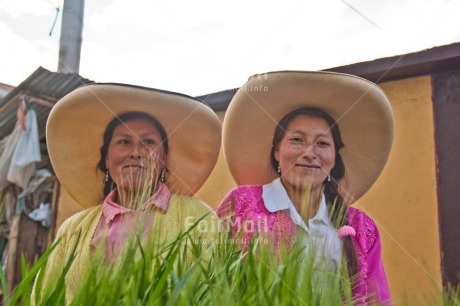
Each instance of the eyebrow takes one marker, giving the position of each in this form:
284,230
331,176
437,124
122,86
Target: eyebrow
130,135
302,132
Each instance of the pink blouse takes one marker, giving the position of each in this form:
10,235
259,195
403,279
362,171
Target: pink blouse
246,205
116,223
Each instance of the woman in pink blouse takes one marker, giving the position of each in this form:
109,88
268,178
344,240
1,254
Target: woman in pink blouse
297,142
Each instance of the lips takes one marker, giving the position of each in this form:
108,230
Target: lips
308,166
135,166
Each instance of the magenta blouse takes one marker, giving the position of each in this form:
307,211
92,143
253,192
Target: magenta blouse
245,203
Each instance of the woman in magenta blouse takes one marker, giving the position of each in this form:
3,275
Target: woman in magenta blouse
298,142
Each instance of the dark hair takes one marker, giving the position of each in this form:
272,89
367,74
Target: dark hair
336,206
119,119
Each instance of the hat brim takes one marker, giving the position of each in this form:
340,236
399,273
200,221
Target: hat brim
77,123
360,108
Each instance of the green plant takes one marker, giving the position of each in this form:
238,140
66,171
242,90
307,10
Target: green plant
188,271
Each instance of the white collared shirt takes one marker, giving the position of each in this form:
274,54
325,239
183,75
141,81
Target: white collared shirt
319,230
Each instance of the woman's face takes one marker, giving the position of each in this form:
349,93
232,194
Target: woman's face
136,148
306,153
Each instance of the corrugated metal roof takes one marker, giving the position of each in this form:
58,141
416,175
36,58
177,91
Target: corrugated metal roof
45,88
218,101
5,89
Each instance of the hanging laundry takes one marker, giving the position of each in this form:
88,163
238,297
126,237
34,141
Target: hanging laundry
27,152
42,214
9,146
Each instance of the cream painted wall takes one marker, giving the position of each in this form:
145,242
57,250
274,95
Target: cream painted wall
403,202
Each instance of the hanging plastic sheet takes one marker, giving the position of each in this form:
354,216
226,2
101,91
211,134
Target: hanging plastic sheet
42,214
37,184
26,153
9,146
38,191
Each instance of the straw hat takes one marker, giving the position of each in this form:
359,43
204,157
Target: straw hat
360,108
77,123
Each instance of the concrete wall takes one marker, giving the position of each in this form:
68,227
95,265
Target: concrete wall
403,202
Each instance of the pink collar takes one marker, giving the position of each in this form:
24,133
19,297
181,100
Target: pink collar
110,208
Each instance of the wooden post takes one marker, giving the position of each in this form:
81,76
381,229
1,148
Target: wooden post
54,209
28,238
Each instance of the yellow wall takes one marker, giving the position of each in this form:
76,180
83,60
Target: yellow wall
220,182
67,207
403,201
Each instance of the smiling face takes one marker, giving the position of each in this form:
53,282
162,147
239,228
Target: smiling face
136,147
306,153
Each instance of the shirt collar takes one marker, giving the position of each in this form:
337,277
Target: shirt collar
323,213
110,208
276,198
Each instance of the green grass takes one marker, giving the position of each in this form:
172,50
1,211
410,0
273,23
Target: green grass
188,272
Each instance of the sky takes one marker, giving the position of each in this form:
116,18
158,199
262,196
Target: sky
200,47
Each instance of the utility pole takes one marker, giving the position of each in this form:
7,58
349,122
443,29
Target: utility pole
71,36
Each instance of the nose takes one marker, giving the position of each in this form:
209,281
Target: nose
309,151
136,151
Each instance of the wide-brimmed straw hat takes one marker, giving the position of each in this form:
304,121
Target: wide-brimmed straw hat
77,123
360,108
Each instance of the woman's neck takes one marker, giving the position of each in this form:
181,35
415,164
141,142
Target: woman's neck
306,200
133,199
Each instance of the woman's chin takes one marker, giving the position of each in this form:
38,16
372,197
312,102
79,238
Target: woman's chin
307,183
135,184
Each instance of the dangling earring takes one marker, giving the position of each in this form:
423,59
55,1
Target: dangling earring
162,175
279,169
328,177
107,176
